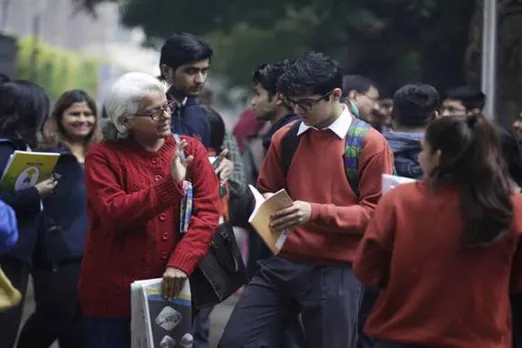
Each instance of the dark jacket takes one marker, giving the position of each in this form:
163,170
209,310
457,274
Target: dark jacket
406,148
26,204
191,120
277,125
67,209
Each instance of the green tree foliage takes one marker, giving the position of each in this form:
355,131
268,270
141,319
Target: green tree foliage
56,70
392,41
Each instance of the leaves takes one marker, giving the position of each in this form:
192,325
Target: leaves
392,41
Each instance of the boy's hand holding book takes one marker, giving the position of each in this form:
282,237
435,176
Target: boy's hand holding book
288,218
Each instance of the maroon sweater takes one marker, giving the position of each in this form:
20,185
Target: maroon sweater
434,292
133,210
317,175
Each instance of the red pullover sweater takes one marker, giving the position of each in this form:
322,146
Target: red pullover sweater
434,292
317,175
133,210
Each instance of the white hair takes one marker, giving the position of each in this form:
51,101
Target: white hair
125,99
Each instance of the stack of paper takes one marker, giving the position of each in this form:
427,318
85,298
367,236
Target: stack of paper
389,182
160,323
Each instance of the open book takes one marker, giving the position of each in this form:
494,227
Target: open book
260,217
160,323
389,182
26,169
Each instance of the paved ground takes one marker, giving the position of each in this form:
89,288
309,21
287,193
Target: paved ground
218,318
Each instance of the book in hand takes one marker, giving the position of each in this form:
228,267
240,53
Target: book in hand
260,217
389,182
160,323
26,169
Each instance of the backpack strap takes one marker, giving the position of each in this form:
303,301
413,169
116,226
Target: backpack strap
354,145
289,146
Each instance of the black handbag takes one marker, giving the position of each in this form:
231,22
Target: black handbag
221,272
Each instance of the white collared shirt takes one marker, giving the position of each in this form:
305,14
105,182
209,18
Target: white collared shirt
339,126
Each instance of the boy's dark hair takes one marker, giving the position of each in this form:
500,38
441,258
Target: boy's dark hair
471,98
314,73
184,48
360,84
267,76
414,105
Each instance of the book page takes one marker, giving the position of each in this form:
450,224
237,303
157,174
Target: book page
260,218
138,334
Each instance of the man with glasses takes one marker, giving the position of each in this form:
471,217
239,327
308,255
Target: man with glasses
463,100
362,95
312,274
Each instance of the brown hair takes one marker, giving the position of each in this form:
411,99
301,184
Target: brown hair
53,131
471,159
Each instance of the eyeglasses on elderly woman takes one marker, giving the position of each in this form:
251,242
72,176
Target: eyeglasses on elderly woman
156,114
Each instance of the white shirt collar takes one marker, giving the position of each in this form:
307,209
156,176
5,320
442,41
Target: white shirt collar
339,126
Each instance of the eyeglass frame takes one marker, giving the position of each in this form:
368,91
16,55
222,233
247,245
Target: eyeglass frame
172,107
291,103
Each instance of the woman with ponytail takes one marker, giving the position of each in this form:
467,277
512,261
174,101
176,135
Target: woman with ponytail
445,252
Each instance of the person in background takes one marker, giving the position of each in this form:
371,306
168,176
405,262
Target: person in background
206,97
415,106
412,108
184,65
24,107
248,125
312,274
71,130
134,181
385,110
269,107
267,104
517,128
463,100
201,327
474,243
8,227
362,95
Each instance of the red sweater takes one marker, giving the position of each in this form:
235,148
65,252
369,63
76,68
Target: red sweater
133,211
434,293
317,175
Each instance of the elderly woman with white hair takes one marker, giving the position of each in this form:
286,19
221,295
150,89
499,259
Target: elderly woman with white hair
134,182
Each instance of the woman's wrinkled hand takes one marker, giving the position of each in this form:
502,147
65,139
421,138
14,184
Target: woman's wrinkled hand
178,166
173,280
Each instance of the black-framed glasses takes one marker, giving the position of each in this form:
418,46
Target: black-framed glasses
157,114
305,105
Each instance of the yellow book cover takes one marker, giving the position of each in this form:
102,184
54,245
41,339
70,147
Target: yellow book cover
26,169
260,217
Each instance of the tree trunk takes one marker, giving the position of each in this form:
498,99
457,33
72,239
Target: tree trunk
509,57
